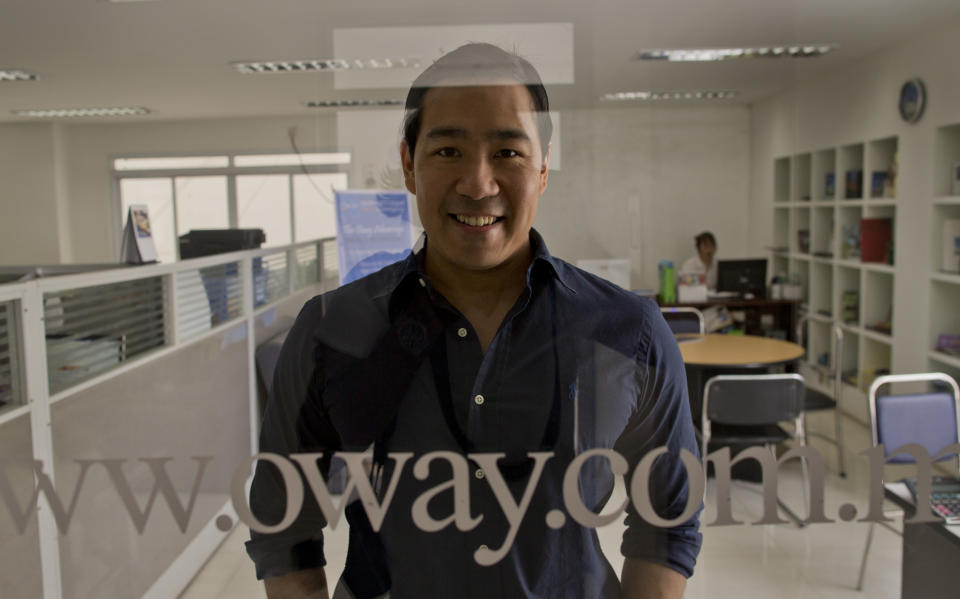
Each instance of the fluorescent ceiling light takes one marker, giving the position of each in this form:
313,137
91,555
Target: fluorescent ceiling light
292,159
81,112
351,103
325,64
700,94
713,54
176,162
16,75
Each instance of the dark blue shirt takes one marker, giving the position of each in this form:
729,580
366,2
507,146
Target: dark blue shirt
577,364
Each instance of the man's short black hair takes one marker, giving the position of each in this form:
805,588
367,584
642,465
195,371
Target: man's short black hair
479,62
705,236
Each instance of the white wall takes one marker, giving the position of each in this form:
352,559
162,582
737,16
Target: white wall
856,104
29,225
641,182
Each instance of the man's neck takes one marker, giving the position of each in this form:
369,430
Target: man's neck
483,296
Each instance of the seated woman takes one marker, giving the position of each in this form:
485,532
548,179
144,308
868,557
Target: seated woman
703,262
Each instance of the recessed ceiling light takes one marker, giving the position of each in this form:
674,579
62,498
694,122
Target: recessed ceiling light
701,94
45,113
325,64
351,103
16,75
713,54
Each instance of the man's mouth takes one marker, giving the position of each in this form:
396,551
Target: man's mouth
476,221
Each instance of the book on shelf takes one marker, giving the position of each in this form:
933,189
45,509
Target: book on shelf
829,185
948,343
878,184
950,257
876,240
955,186
850,242
803,241
854,187
850,306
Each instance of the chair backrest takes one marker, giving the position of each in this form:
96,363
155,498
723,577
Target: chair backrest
683,320
930,419
753,399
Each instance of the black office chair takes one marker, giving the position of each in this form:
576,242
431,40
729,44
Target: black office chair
684,320
815,400
930,419
746,409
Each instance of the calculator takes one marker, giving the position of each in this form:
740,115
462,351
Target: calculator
944,496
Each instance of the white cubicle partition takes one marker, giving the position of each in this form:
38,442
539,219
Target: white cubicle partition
118,366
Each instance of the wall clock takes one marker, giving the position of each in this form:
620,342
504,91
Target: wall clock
913,99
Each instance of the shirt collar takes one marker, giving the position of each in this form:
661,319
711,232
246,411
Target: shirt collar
412,268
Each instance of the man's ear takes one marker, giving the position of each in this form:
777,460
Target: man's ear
406,162
545,168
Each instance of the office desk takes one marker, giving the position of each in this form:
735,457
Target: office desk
784,313
931,553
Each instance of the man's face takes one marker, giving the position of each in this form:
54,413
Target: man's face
478,173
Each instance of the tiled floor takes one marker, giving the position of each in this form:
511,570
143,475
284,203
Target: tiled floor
819,561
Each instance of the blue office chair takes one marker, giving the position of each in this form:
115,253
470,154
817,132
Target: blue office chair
684,320
930,419
815,400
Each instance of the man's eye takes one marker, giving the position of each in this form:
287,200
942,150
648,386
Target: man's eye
447,152
506,153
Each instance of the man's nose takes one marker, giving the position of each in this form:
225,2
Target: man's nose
478,179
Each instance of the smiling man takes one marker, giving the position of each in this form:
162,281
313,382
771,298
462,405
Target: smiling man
479,369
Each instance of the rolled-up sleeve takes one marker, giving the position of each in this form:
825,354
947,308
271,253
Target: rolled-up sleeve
293,399
662,419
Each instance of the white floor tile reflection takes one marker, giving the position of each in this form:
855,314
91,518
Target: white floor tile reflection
819,561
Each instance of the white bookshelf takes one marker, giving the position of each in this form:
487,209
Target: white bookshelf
810,223
944,285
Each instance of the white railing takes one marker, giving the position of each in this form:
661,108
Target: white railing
63,334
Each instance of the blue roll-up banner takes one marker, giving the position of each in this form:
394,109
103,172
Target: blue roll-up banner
373,230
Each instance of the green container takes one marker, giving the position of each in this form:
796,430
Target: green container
668,285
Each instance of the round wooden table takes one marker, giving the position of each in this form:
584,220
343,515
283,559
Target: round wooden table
736,351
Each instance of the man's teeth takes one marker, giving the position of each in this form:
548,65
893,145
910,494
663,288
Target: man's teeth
476,221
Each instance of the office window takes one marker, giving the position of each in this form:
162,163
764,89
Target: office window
263,202
201,203
313,205
289,196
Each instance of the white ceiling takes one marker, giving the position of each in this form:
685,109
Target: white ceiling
173,56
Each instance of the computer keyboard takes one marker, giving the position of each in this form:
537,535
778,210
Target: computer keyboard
944,496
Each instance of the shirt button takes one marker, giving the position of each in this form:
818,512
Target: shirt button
478,400
422,282
479,473
482,547
462,332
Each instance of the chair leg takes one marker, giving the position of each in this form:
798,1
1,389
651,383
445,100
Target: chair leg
783,506
863,560
838,425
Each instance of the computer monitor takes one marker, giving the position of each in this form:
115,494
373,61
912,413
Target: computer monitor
745,277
